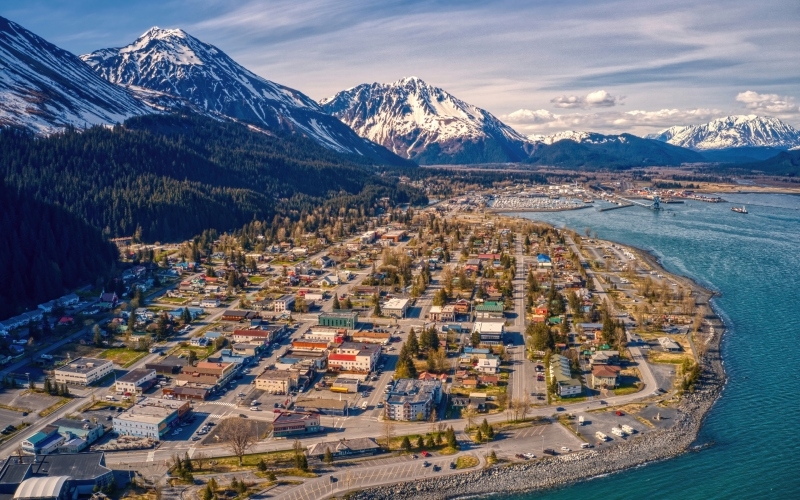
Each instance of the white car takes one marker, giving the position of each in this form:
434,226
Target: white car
564,448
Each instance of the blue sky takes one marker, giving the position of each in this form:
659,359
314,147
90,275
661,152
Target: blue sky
541,66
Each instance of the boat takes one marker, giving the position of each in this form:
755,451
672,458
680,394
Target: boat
739,210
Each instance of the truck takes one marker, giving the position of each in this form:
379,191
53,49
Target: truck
580,420
627,428
618,432
599,435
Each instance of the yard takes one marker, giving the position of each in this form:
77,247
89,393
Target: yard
122,356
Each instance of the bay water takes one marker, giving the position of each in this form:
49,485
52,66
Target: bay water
753,261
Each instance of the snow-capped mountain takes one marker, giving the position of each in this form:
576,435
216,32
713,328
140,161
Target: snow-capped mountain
173,62
44,88
426,124
575,136
732,132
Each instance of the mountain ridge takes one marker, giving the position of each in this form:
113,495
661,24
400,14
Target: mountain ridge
44,88
734,131
426,124
175,63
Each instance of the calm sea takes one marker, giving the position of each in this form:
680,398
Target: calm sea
754,261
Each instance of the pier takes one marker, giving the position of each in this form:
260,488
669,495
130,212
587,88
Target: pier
606,209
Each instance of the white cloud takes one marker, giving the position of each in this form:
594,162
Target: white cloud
636,121
596,99
768,103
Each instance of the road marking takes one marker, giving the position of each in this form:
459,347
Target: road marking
151,456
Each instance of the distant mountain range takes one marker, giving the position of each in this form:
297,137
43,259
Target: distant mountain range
732,132
44,89
426,124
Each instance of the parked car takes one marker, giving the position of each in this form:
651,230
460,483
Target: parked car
452,465
425,453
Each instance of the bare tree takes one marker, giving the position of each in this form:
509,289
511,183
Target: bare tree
525,406
388,431
200,459
158,490
470,412
237,436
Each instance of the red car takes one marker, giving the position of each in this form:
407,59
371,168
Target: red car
619,413
425,453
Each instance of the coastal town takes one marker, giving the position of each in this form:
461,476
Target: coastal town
434,342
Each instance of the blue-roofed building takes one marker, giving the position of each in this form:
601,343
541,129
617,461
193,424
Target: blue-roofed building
43,442
544,261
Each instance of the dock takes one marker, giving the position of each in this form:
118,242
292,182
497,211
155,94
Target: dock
606,209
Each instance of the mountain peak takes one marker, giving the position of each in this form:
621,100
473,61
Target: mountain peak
732,131
173,62
422,122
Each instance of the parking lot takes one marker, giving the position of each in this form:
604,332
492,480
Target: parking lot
534,439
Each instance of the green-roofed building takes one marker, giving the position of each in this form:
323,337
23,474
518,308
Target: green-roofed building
490,310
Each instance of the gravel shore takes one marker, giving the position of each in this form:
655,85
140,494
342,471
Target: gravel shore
562,470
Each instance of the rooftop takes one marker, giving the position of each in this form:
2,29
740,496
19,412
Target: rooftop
294,416
41,487
82,365
135,375
151,410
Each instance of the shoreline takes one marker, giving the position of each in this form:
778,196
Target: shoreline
565,470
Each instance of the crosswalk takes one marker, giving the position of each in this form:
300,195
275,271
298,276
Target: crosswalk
220,403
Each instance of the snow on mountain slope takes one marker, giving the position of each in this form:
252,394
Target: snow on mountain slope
44,88
732,132
579,137
173,62
425,123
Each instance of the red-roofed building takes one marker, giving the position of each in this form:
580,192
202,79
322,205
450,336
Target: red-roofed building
605,376
354,357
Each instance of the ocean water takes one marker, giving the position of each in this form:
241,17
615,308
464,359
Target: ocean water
753,260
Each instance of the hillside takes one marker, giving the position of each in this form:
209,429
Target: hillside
174,63
45,251
44,88
175,176
784,163
610,153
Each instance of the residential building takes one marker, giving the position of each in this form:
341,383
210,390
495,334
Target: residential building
669,345
151,418
209,302
295,423
395,307
410,399
566,384
83,371
490,310
255,336
605,376
442,313
236,315
283,304
491,332
462,306
605,358
490,364
199,341
344,448
341,319
354,357
278,381
136,381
